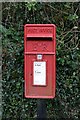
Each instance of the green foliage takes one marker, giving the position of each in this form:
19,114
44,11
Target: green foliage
73,17
65,16
31,6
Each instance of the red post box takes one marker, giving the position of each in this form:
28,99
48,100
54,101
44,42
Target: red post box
40,60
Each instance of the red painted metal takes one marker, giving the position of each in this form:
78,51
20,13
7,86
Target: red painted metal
40,39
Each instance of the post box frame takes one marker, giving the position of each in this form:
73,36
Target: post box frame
29,53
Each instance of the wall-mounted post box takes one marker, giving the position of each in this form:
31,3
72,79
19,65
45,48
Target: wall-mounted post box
40,60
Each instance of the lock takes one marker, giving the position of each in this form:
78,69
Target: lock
39,57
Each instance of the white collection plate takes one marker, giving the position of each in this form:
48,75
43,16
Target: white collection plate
39,71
